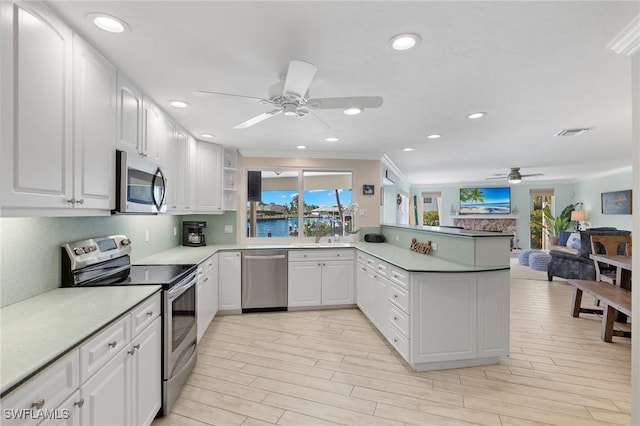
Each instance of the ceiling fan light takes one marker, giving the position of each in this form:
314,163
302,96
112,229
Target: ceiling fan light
289,110
476,115
515,180
353,111
402,42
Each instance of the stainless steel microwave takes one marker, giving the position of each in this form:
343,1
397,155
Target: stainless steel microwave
140,185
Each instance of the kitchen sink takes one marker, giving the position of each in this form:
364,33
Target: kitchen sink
323,245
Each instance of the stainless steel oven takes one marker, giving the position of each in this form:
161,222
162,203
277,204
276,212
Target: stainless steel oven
180,336
106,261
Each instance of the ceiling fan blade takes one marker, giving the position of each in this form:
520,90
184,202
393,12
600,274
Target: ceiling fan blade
533,174
496,177
346,102
207,93
299,78
258,118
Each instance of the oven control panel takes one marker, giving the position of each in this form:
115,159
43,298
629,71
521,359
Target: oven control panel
83,253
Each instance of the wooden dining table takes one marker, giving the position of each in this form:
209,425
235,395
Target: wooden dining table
623,273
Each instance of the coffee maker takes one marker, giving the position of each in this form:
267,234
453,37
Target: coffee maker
193,233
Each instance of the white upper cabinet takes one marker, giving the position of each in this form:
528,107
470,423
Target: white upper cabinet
94,127
209,176
129,116
152,130
36,88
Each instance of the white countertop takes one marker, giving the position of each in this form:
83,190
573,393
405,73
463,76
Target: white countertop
39,330
398,256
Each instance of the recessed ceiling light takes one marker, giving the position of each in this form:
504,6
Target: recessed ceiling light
407,149
403,42
332,139
178,104
353,111
108,23
301,146
476,115
206,135
433,137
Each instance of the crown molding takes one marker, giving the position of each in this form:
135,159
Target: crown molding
627,42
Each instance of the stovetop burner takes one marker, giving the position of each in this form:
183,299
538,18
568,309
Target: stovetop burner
106,261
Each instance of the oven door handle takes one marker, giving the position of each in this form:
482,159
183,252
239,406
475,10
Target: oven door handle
177,291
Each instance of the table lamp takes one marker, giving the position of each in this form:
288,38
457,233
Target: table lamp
578,216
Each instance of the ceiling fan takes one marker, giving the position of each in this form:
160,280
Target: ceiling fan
290,97
514,176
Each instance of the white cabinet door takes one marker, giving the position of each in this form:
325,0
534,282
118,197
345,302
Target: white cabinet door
305,283
381,310
362,290
94,133
152,128
107,394
337,282
207,291
443,316
184,174
68,413
129,117
36,132
493,314
209,178
229,280
147,374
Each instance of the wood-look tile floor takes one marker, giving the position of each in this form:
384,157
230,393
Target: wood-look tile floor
331,367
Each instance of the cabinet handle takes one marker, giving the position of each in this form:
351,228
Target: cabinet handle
79,403
206,279
338,255
149,313
395,318
112,344
395,340
135,348
364,269
80,201
395,296
71,201
38,404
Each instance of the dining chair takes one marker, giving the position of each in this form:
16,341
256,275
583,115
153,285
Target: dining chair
609,245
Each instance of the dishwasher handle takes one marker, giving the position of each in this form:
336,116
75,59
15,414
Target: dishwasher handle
275,256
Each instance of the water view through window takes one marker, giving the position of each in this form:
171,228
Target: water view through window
283,211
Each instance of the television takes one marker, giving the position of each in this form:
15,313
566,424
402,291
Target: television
485,200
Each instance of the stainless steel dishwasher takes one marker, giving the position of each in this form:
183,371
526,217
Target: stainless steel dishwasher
264,280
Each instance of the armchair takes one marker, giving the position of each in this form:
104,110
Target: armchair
578,265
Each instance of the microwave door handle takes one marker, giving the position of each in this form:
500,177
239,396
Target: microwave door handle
156,176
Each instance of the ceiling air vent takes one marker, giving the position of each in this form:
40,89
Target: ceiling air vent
571,132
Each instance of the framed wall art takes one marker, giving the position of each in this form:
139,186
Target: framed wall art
368,189
616,202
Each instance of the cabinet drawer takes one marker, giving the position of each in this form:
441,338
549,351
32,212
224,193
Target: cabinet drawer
382,268
100,349
399,296
46,391
208,263
398,341
366,260
144,314
400,276
399,318
318,254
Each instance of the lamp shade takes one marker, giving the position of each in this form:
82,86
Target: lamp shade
578,215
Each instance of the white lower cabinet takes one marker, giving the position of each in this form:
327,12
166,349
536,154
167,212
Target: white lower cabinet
320,277
437,320
111,379
207,293
229,281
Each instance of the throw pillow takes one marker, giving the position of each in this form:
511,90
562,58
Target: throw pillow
574,240
563,237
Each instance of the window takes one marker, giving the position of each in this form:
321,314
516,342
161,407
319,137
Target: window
298,203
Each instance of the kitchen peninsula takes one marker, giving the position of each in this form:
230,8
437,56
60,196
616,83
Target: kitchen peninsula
446,309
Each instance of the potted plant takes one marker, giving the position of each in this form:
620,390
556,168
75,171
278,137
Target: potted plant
553,225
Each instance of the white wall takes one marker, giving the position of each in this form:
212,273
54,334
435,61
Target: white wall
588,191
